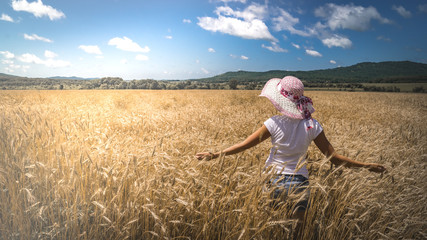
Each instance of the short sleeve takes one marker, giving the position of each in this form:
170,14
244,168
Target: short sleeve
271,126
316,130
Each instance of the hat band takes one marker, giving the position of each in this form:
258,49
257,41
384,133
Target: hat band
300,101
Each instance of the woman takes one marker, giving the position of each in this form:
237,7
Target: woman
291,134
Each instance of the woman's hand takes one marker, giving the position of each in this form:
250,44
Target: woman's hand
373,167
205,156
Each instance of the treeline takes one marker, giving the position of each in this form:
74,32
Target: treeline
13,82
21,83
381,89
406,79
118,83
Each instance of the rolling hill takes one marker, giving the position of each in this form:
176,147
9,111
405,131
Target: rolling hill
404,71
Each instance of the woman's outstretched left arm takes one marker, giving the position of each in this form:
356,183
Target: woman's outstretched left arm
328,150
254,139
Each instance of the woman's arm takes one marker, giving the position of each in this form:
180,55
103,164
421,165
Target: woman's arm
255,138
328,150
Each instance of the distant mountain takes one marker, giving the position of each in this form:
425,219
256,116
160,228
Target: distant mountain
404,71
72,78
8,76
3,75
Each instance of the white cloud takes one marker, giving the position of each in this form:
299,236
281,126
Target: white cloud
186,21
243,57
211,50
168,37
6,18
25,68
50,54
204,70
127,44
422,8
313,53
252,12
274,47
247,24
91,49
35,37
124,61
382,38
38,9
12,67
255,29
15,66
296,46
285,21
8,70
56,63
6,61
402,11
30,58
141,57
7,54
333,62
50,62
349,16
337,41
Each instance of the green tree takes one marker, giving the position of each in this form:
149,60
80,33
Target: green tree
232,84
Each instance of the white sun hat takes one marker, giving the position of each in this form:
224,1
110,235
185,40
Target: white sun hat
287,95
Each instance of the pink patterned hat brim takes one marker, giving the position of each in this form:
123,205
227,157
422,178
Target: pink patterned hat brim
281,103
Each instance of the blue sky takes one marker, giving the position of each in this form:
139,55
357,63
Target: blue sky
186,39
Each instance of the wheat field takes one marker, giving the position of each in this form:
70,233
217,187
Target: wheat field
120,165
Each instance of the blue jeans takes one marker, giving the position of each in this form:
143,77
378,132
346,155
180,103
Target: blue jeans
287,186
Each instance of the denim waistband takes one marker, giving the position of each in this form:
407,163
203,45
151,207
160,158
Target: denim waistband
288,177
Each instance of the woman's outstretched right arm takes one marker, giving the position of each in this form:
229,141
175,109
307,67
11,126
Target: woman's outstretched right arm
328,150
255,138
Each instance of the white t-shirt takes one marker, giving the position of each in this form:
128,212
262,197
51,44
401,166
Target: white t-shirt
290,139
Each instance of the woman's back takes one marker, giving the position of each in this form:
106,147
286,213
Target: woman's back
290,139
